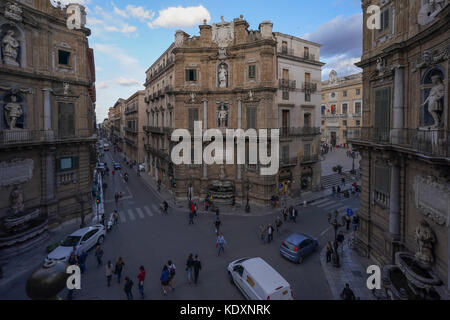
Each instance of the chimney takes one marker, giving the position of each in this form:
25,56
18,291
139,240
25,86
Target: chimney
205,34
265,28
240,30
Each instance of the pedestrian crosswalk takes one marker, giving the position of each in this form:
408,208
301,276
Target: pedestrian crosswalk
332,204
136,214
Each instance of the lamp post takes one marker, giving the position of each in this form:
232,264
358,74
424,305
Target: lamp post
333,221
247,186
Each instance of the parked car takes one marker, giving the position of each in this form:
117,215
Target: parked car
117,166
257,280
297,246
100,166
106,147
141,166
84,239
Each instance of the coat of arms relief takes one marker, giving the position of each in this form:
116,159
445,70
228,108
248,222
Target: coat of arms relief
223,33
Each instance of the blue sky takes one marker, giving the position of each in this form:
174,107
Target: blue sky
129,35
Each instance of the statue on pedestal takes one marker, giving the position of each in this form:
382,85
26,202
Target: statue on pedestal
13,112
10,47
16,200
223,76
426,239
434,100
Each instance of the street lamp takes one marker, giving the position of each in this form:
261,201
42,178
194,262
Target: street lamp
333,221
247,186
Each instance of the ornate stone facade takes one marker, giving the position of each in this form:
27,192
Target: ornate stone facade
47,105
404,141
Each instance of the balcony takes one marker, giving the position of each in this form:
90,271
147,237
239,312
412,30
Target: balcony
433,143
160,153
287,84
309,56
130,110
11,138
161,69
287,51
309,87
130,142
288,162
158,130
286,132
131,130
310,158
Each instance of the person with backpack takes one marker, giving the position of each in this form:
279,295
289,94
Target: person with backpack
172,272
190,268
141,278
128,288
197,268
165,278
119,268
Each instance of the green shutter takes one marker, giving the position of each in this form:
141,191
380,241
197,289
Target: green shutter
382,113
193,116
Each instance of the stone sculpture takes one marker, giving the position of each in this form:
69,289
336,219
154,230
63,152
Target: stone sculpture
10,48
425,239
16,200
434,100
13,111
223,76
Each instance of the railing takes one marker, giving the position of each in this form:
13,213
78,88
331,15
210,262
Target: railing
309,87
18,137
130,142
130,110
309,56
310,158
131,130
288,162
161,153
434,142
161,69
287,51
160,130
300,131
288,84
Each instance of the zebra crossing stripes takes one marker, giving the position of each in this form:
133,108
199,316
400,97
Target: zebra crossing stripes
131,215
140,213
321,201
122,217
149,212
326,204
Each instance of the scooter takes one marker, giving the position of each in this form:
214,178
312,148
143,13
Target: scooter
110,223
125,177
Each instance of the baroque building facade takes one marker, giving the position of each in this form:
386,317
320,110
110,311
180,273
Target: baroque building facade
405,143
135,119
341,107
47,121
230,77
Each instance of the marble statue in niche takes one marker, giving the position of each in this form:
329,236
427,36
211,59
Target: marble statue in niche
10,48
13,111
333,77
223,75
222,116
16,200
435,100
425,239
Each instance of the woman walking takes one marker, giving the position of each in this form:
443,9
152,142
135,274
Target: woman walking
165,274
172,271
119,268
262,233
190,268
109,273
329,251
217,224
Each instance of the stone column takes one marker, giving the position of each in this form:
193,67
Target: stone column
394,202
399,85
239,126
48,113
49,176
205,127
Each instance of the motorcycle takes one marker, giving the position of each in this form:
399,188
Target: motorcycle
125,177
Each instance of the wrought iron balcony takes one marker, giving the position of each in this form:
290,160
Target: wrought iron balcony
287,84
299,131
310,87
432,142
160,153
310,158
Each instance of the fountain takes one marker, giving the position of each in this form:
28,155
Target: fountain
222,190
411,278
21,229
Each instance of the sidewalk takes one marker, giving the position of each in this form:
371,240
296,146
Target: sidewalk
352,271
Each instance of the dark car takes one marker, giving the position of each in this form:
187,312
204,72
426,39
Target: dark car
297,246
117,166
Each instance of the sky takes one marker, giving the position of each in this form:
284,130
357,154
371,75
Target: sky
129,35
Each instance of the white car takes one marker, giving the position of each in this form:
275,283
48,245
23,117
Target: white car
257,280
83,239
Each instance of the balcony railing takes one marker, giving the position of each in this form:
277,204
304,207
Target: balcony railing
160,153
288,162
308,158
309,56
300,131
131,130
287,51
159,130
310,87
435,143
288,84
19,137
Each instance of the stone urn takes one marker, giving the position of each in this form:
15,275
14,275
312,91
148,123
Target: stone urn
46,282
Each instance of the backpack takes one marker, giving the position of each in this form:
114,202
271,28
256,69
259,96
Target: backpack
172,271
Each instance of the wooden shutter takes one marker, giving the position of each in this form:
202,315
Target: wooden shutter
252,71
251,117
193,116
285,154
187,74
66,119
385,21
382,112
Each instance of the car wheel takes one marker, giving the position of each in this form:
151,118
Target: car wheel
300,260
100,239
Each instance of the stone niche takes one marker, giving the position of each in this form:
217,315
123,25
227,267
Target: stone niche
432,199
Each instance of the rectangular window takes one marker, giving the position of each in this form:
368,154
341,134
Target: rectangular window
66,164
252,71
284,48
357,107
64,57
385,20
344,123
307,97
382,113
66,119
382,180
345,93
285,95
193,116
191,75
285,154
358,123
344,108
251,117
358,92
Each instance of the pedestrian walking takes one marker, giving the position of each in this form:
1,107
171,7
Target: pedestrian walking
190,268
340,240
355,222
270,231
141,279
217,213
338,192
220,244
294,214
82,260
262,233
103,220
191,217
285,214
109,273
329,251
206,204
116,217
348,220
119,268
217,224
172,272
278,224
347,293
99,255
165,274
343,181
128,288
233,203
197,268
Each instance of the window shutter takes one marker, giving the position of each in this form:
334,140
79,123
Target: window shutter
382,108
252,71
187,74
382,179
193,116
251,117
386,19
285,154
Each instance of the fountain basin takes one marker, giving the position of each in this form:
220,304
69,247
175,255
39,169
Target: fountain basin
418,274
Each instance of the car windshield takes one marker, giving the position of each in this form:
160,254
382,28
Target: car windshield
70,241
289,245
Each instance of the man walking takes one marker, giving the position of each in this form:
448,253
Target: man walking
128,288
217,224
82,260
340,239
99,255
190,268
172,271
294,214
270,233
197,267
141,278
278,224
220,244
109,273
191,217
347,293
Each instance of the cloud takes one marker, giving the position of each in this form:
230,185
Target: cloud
339,36
102,85
343,65
180,17
127,82
117,54
136,12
